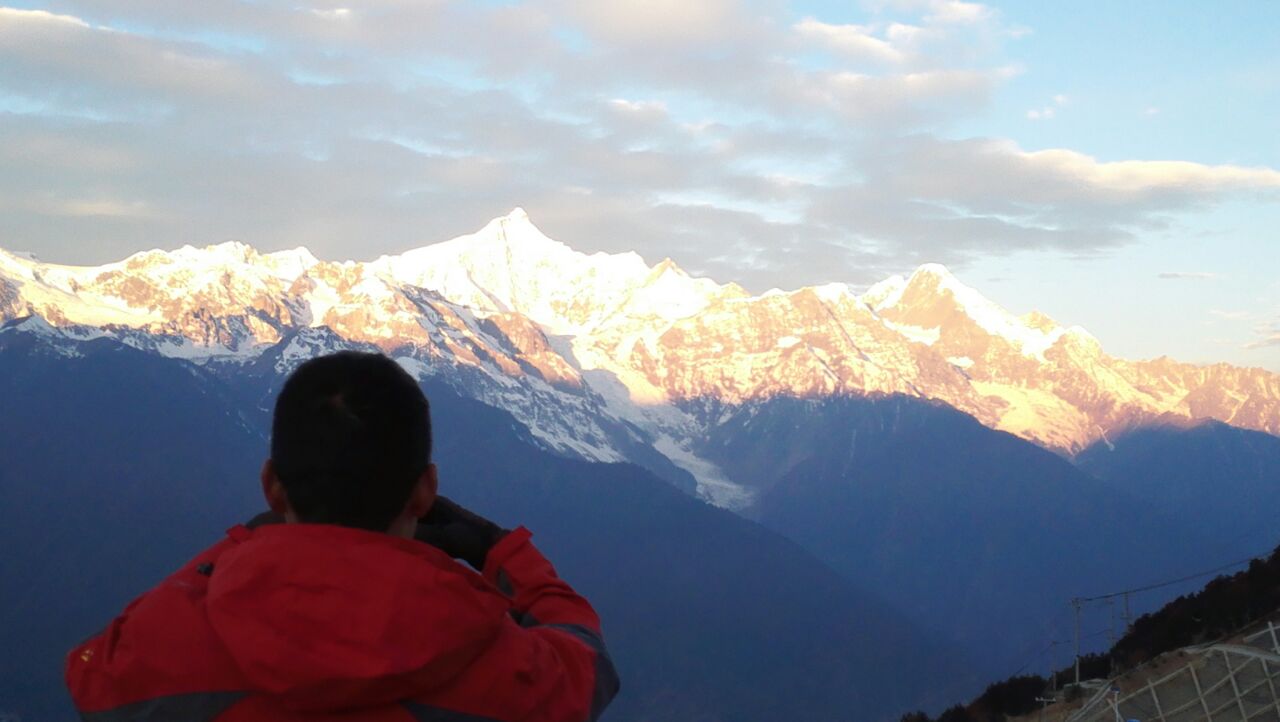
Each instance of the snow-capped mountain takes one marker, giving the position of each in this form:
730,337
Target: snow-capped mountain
608,358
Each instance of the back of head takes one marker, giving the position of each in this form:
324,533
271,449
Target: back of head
350,438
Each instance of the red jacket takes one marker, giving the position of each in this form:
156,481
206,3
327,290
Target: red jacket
319,622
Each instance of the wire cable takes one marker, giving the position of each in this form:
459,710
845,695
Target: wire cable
1171,582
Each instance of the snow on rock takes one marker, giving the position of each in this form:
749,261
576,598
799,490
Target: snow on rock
63,341
509,265
713,485
886,293
926,294
600,354
915,334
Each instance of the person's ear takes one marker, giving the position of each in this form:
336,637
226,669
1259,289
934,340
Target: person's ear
272,490
424,492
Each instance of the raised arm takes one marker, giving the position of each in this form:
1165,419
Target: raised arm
554,645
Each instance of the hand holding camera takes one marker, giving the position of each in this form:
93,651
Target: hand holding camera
459,532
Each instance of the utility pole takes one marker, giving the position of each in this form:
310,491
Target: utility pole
1053,667
1111,637
1128,620
1075,603
1111,629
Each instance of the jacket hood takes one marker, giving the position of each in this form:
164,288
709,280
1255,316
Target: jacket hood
325,617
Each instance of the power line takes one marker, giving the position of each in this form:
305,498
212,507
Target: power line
1050,629
1169,582
1078,602
1036,657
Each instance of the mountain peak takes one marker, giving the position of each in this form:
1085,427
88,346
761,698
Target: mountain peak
663,334
933,298
934,270
512,232
511,265
237,250
497,243
884,294
924,284
292,262
667,265
935,278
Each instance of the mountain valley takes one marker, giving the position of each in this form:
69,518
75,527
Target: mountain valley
820,501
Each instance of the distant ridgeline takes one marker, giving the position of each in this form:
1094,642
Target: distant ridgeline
1223,607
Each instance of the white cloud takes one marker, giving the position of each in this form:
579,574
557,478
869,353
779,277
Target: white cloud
749,144
955,11
16,16
901,99
852,41
657,22
957,200
107,208
63,58
1187,276
938,35
332,14
987,172
1230,315
640,106
1048,112
1268,336
1144,177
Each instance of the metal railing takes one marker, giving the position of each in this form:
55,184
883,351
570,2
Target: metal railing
1216,683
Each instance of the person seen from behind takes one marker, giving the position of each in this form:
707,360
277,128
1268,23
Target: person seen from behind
345,602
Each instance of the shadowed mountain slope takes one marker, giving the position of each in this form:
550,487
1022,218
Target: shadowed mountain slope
1210,476
972,531
115,467
123,464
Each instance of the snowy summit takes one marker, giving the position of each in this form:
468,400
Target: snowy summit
620,348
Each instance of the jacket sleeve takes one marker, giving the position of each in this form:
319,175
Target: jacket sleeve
566,674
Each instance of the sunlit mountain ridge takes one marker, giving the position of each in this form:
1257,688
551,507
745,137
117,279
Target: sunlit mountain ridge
608,358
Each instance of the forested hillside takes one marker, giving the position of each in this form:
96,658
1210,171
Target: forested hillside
1223,607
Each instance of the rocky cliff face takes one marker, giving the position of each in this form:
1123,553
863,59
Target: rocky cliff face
602,355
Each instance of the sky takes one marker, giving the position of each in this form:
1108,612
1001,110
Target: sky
1115,165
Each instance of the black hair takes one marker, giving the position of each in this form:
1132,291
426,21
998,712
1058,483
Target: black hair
350,438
